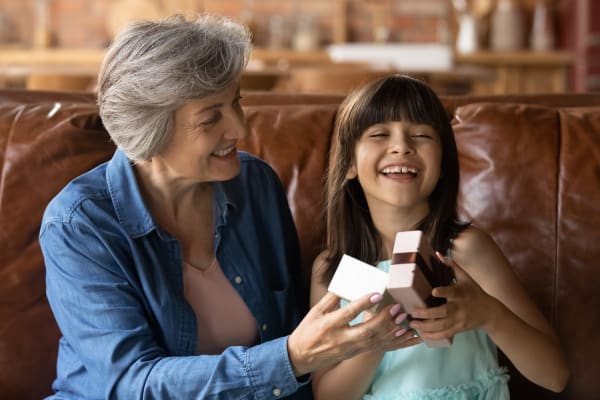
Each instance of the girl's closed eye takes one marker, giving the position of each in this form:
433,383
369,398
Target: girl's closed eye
422,135
378,134
375,132
423,132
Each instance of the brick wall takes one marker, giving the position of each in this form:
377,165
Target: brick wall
83,23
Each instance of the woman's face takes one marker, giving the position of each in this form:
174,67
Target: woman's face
203,141
397,164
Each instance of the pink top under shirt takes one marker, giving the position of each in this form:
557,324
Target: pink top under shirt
222,317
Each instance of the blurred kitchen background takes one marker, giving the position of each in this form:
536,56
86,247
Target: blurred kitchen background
459,46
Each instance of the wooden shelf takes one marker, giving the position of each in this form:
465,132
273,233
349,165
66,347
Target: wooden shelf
523,72
24,57
290,57
491,73
551,58
89,60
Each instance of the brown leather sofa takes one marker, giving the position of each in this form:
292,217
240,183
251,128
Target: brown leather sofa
530,175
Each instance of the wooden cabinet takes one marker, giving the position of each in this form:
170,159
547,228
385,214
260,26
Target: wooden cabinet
524,72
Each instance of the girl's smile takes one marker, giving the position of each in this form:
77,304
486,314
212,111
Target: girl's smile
398,164
400,172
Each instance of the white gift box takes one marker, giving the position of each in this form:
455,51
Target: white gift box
354,278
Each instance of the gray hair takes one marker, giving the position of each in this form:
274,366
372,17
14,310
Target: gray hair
152,68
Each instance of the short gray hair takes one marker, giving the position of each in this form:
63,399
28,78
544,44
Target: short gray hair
152,68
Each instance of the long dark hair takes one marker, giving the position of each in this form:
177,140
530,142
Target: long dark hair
350,229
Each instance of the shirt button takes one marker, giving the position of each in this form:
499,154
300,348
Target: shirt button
277,392
264,328
238,279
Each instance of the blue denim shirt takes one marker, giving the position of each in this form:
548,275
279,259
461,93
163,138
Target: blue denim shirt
115,285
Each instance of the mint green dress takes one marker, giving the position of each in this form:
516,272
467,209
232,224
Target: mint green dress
467,370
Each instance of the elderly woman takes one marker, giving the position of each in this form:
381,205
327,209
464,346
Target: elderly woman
170,268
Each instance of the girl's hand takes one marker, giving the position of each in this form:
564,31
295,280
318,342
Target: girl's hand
467,307
324,338
488,295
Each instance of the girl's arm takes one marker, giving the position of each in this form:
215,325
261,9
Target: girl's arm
488,295
349,379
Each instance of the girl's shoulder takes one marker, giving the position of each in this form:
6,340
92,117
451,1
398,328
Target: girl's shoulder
473,246
472,235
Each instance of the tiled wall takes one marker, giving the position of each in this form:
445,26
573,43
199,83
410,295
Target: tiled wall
83,23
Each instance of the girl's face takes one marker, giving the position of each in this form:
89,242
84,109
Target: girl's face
398,165
205,132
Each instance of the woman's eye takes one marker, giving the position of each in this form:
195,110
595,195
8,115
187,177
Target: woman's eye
377,134
211,121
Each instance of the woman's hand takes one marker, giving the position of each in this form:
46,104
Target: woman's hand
467,307
324,337
406,337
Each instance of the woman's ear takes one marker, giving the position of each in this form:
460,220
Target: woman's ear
351,174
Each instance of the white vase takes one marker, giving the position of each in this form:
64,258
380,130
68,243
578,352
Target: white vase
466,40
506,27
542,28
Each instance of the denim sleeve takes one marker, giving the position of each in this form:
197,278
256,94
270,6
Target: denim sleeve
102,318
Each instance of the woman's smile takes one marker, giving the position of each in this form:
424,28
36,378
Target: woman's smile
225,153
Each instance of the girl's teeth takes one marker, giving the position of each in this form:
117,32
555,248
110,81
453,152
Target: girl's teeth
400,170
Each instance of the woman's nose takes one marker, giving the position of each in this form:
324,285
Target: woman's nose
237,128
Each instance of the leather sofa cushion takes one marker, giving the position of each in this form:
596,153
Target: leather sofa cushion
530,175
38,157
577,301
295,141
509,160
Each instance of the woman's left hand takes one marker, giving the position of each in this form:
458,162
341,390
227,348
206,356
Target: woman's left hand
467,307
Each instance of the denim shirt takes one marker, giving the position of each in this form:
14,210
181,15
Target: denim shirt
115,285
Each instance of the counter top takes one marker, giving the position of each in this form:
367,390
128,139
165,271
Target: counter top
533,58
276,65
60,57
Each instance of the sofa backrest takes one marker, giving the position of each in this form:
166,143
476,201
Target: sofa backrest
530,170
531,176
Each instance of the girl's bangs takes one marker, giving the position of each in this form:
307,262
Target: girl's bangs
396,100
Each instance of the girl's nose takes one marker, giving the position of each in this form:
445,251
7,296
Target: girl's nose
401,145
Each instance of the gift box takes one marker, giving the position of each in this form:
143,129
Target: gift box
354,278
414,271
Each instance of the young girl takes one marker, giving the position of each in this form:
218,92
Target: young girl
394,168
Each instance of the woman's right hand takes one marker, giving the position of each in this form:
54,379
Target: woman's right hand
324,337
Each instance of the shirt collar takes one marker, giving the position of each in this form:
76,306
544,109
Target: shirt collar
126,196
129,204
225,202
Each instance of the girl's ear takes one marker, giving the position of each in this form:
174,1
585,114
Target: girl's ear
351,174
